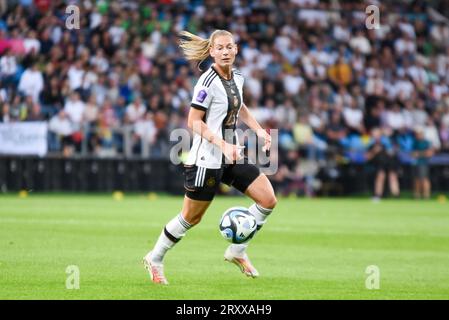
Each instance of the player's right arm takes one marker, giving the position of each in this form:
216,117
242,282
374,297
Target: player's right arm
196,124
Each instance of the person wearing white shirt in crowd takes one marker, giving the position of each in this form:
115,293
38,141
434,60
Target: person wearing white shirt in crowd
314,71
442,62
61,125
293,82
438,90
76,74
286,114
343,98
305,3
251,51
419,114
145,129
254,84
395,119
406,27
100,61
135,110
431,134
321,55
357,61
418,73
91,112
318,118
404,88
32,82
444,130
292,53
361,43
116,31
264,57
74,107
94,18
313,17
3,95
8,65
341,31
407,115
375,85
90,78
405,45
440,33
31,43
283,41
353,118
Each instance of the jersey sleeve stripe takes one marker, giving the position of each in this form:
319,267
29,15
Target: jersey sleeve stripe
198,107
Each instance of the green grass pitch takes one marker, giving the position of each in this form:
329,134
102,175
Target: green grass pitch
309,249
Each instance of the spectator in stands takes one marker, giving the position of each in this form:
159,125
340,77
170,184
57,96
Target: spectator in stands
32,82
354,118
374,116
135,111
340,74
336,130
307,140
6,116
34,113
51,97
90,119
8,68
144,132
61,132
107,129
74,108
431,134
395,118
444,131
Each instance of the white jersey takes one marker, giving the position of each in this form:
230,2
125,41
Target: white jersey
222,100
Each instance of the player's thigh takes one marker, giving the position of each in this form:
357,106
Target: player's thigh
248,179
240,176
262,192
201,185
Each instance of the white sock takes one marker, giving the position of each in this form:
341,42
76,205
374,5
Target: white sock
174,231
261,214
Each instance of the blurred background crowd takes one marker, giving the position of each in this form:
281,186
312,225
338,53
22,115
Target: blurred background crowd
333,88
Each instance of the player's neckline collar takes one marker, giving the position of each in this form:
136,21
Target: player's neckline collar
216,71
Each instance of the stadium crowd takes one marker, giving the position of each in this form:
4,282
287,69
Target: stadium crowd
313,70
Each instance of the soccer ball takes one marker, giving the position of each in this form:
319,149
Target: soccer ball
237,225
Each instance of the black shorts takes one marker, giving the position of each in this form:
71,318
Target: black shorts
421,171
202,183
388,163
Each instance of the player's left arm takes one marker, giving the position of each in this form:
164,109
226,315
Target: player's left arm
246,116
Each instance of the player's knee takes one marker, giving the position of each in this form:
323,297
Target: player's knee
194,219
269,202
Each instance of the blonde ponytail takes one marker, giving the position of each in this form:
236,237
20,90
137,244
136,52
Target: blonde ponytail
196,48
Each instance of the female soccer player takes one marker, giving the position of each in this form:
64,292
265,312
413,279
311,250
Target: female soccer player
215,107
